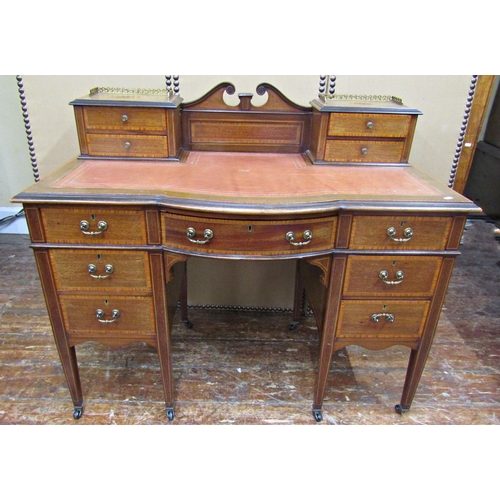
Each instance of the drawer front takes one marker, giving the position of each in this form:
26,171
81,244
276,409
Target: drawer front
94,226
381,320
98,270
125,119
248,237
135,315
361,151
133,146
408,233
391,276
368,125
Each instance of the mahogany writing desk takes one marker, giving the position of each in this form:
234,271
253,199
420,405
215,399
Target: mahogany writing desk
375,242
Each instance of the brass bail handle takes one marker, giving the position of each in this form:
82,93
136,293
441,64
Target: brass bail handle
85,226
208,234
307,235
384,276
100,314
407,233
108,269
388,317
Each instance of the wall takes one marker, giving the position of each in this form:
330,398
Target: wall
15,163
442,100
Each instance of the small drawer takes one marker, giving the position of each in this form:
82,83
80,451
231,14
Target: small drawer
98,270
115,315
368,125
399,232
248,237
364,151
133,146
391,276
125,119
381,320
94,226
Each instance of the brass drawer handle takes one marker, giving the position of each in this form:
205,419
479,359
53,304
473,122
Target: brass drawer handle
384,276
85,226
408,234
307,235
108,268
124,118
208,234
369,124
99,314
127,145
388,317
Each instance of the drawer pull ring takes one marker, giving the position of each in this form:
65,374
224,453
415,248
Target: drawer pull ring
384,276
388,317
307,235
101,225
408,234
99,314
127,145
208,234
124,118
91,268
369,124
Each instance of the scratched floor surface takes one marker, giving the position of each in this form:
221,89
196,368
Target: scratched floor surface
240,367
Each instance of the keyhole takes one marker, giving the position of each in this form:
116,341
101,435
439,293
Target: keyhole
106,302
98,256
393,262
250,229
385,307
92,217
402,223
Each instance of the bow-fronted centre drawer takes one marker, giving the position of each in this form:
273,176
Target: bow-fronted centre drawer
247,237
94,225
399,232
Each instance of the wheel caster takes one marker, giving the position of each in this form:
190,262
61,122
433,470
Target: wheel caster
170,413
187,323
400,410
78,412
293,325
318,416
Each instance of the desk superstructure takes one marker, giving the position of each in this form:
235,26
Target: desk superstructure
159,181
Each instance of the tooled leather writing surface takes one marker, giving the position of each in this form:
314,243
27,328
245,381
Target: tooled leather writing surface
246,176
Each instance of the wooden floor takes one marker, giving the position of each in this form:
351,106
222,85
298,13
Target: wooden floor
240,367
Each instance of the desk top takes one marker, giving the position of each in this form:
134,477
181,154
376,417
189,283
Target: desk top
245,182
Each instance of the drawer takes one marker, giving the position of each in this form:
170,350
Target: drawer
98,270
125,119
399,232
248,237
133,146
391,276
381,320
368,125
370,151
93,226
135,315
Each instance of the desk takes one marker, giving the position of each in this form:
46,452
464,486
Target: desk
375,244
